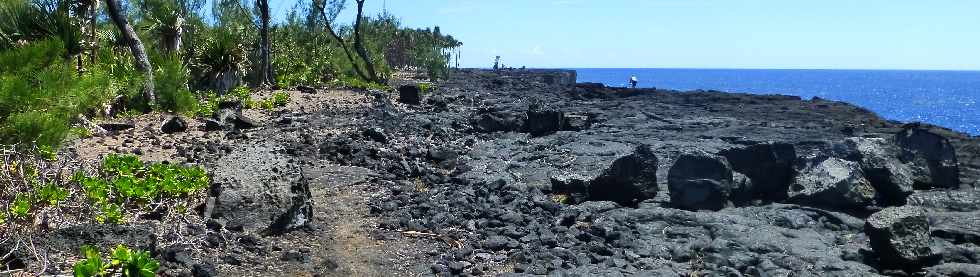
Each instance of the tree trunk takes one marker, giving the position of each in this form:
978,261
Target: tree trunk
265,77
136,47
174,38
359,44
343,45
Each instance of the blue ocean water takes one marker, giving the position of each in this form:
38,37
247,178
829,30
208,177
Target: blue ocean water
945,98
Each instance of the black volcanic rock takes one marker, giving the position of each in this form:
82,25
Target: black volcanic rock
932,154
410,94
630,179
768,165
832,183
900,237
700,181
878,160
173,124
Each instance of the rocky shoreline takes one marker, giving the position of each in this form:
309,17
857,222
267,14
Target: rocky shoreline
527,173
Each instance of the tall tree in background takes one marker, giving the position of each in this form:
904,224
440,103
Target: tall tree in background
359,44
265,77
334,8
136,47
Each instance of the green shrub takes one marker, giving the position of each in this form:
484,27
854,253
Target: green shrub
52,194
92,265
21,207
128,262
244,95
171,85
208,105
111,213
278,99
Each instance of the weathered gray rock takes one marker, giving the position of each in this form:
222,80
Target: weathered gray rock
932,154
499,120
575,122
953,270
769,165
956,227
947,200
700,181
173,124
630,179
879,162
900,237
831,183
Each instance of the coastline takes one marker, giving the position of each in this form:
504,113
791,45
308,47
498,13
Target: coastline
529,172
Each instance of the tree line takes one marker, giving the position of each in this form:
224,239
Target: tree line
61,60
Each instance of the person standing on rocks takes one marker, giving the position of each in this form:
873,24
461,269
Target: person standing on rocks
633,81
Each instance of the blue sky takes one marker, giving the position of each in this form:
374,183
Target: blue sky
834,34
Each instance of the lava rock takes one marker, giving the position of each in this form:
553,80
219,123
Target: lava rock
173,124
496,120
943,200
629,180
117,126
768,165
410,94
575,122
543,121
700,181
932,154
878,160
375,134
306,89
900,237
832,183
953,270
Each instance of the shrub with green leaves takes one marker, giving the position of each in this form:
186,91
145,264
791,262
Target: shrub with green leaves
128,262
21,207
52,194
92,265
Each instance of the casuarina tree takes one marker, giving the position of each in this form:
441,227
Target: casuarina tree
135,46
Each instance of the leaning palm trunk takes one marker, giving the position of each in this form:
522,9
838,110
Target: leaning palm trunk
136,47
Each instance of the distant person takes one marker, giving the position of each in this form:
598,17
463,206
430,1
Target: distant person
496,63
633,81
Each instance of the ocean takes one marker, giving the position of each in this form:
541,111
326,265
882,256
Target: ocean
946,98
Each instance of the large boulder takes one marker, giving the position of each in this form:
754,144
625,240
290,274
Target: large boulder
629,180
543,121
830,183
410,94
932,154
768,165
900,238
499,120
878,160
700,181
173,124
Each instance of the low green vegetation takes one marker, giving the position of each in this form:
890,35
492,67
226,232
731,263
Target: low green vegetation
122,260
121,184
278,99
